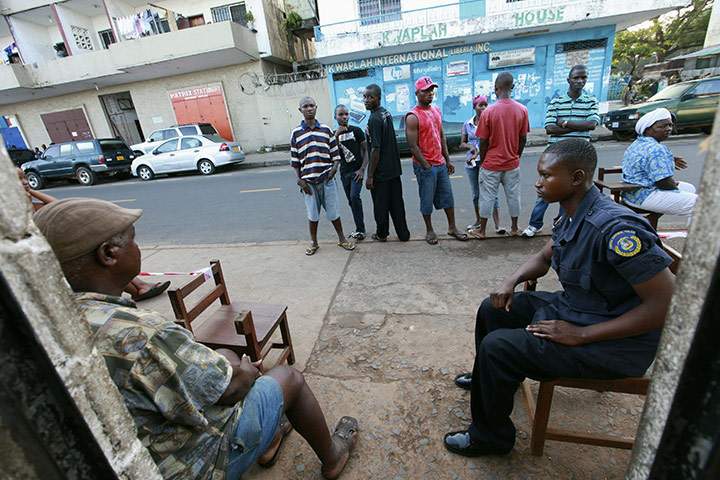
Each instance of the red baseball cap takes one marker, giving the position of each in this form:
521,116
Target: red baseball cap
423,83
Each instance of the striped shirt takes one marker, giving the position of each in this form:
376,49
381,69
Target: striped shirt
583,109
313,150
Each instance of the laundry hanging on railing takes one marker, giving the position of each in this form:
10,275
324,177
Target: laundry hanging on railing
139,25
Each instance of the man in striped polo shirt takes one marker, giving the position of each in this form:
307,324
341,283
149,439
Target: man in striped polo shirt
314,157
572,115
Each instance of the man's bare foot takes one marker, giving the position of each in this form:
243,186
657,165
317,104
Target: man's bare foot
515,233
344,439
477,233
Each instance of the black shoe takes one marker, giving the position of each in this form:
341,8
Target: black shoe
459,442
464,380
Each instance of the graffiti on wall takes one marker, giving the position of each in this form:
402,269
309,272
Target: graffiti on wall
287,84
539,16
418,33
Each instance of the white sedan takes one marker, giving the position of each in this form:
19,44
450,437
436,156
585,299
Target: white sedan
192,152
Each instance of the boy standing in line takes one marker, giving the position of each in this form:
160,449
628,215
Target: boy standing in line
314,158
354,159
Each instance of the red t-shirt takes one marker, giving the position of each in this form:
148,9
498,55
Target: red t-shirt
502,124
429,139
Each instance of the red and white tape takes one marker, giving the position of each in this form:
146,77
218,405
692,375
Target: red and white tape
678,234
206,272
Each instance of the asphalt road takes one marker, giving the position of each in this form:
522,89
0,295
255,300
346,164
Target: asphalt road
264,204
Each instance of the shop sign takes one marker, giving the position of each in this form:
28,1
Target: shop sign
412,57
398,72
508,58
454,69
540,16
196,93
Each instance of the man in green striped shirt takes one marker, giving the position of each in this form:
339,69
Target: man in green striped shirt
572,115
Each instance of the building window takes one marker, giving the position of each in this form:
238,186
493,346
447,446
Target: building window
82,38
234,12
106,38
707,62
378,11
582,45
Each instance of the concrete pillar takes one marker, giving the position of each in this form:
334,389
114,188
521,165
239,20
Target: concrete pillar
700,258
36,298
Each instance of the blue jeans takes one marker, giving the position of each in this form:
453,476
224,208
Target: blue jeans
538,213
256,427
352,191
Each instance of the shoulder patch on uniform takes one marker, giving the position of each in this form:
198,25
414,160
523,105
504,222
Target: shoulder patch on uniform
625,243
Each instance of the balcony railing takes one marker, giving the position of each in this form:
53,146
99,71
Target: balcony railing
429,16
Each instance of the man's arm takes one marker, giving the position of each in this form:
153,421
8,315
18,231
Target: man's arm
482,151
578,126
335,156
374,159
302,183
360,174
655,294
535,267
521,145
445,152
411,133
668,183
244,374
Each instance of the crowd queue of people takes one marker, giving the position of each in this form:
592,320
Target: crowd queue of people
210,414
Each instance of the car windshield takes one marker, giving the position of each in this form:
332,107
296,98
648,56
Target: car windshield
112,146
670,93
215,138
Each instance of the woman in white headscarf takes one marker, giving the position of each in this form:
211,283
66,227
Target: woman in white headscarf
648,163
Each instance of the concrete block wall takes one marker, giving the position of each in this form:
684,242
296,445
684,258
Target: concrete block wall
33,275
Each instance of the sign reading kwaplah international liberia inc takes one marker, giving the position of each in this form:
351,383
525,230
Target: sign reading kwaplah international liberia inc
507,58
398,72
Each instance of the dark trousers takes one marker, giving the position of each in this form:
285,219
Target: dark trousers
352,192
388,202
505,354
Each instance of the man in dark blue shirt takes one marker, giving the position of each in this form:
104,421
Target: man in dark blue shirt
606,322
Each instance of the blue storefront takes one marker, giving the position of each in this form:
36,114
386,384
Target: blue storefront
539,64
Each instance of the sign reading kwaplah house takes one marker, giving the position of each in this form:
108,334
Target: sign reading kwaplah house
509,58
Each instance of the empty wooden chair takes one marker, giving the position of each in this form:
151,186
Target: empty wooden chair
539,410
616,189
243,327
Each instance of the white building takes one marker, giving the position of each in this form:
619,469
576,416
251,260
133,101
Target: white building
104,68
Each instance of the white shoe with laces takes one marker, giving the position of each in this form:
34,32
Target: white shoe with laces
530,231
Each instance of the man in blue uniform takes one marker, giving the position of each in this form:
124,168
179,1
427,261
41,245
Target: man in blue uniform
606,322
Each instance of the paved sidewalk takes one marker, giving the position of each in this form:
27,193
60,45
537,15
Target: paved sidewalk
536,138
380,333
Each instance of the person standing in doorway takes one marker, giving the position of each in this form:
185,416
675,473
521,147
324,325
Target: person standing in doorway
573,115
383,177
503,130
431,161
314,157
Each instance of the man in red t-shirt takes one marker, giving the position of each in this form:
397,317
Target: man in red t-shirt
431,161
503,129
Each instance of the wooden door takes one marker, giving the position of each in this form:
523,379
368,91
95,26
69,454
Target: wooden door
202,105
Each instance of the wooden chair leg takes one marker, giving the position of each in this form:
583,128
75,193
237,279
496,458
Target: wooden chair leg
542,414
285,333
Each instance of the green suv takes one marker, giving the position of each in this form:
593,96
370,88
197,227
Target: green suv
692,104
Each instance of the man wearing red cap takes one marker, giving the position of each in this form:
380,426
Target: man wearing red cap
431,161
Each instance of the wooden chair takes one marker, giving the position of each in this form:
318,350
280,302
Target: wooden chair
616,189
243,327
539,410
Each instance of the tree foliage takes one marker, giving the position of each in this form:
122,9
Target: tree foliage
670,34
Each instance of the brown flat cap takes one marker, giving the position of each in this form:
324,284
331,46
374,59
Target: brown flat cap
76,226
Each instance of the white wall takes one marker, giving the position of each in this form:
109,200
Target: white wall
33,40
71,18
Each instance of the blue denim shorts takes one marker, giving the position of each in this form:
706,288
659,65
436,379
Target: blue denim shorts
256,426
434,188
324,195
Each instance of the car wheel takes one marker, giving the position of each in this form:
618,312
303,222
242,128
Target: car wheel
622,136
34,180
85,176
206,167
145,173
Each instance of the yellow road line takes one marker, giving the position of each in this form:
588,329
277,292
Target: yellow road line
261,190
123,201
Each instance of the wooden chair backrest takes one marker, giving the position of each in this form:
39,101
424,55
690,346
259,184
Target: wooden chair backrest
178,295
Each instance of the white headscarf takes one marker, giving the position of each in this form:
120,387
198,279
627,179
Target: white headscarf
649,118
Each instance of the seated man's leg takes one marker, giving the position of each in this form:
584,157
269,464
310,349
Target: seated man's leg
306,416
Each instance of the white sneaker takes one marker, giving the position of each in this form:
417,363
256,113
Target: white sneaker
530,231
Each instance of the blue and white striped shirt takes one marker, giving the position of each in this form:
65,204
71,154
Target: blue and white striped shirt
313,150
583,109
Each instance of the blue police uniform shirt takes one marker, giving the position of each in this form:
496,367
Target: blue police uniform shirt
599,255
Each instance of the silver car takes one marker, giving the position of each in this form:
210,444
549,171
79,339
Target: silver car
193,152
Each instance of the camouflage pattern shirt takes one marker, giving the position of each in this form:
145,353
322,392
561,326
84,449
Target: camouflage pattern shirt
171,385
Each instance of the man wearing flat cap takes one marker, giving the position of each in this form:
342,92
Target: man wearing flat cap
202,413
648,163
